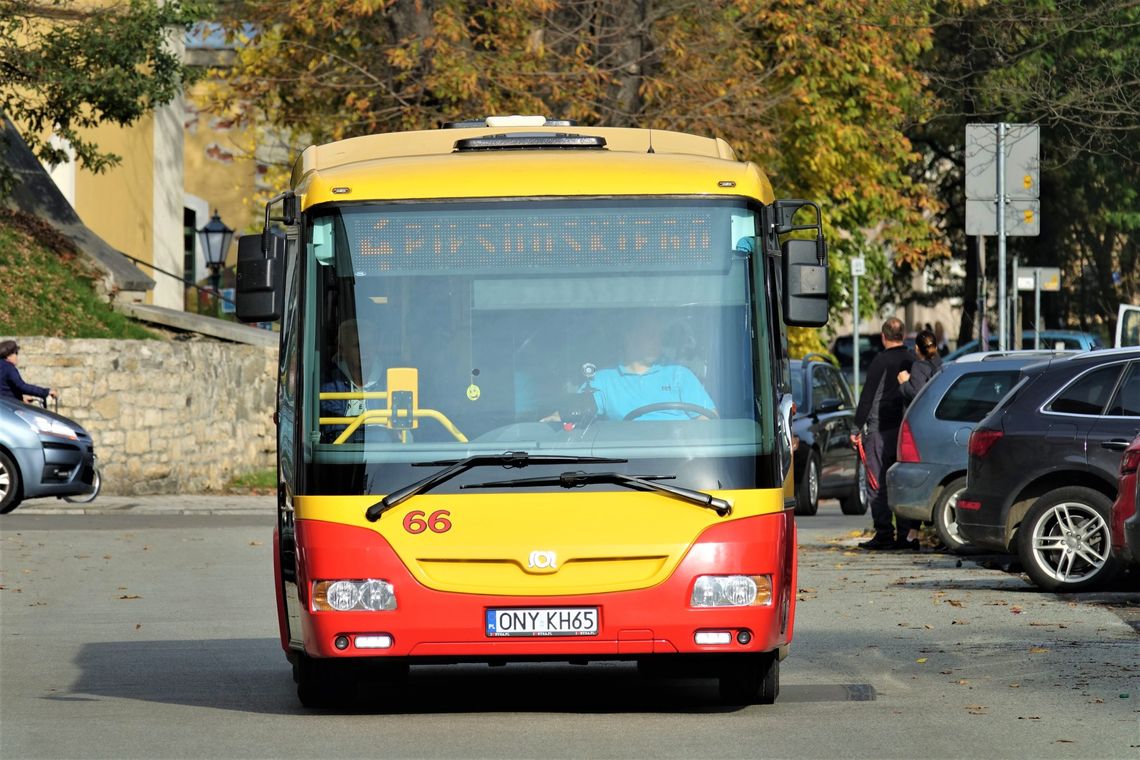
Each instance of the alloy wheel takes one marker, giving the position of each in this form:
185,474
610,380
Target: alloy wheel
1071,542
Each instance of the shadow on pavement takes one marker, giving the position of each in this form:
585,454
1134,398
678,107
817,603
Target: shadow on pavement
251,676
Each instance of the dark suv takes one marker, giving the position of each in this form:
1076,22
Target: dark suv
930,472
825,463
1044,464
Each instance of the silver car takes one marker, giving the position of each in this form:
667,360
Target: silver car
42,454
930,472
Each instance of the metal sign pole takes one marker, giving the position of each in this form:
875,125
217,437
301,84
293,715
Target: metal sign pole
1003,333
981,318
1037,308
1015,341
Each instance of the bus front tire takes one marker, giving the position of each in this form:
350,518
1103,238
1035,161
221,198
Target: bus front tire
320,683
751,681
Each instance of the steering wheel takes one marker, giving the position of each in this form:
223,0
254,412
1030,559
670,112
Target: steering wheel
641,411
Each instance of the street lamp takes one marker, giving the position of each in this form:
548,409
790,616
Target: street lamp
215,238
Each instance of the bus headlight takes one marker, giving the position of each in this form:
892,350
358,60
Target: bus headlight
369,595
731,591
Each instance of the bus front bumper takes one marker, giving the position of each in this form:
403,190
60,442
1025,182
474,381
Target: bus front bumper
430,625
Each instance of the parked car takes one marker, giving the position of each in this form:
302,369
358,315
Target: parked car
870,344
1125,524
842,348
1051,340
930,471
1044,466
42,453
825,463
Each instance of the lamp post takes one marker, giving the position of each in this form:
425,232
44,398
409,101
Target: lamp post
215,238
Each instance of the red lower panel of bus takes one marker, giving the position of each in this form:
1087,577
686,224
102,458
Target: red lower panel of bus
437,624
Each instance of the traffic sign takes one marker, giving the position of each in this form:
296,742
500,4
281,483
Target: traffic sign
858,266
1050,278
1022,145
1021,217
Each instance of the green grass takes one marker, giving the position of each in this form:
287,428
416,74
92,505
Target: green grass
47,288
260,480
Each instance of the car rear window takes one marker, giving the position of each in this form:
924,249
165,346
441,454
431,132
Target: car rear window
972,396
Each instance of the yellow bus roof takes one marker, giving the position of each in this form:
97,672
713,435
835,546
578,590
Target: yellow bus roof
425,165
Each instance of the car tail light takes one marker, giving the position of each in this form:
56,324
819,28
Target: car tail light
1130,461
981,441
908,449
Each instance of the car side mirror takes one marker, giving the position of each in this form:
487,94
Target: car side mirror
829,405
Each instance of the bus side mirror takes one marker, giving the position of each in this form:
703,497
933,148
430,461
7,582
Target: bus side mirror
260,278
805,282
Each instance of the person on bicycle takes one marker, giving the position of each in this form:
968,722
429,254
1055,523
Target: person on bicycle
11,384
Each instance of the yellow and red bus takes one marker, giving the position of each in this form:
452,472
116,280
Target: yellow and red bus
534,402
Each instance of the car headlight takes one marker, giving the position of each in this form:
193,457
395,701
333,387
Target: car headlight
41,423
731,591
369,595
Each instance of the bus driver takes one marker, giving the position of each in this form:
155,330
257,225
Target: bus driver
640,380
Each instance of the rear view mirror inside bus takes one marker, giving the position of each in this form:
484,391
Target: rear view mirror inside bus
805,284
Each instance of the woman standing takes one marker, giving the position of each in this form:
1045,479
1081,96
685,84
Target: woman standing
927,363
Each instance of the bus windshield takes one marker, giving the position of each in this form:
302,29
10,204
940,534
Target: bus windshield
623,328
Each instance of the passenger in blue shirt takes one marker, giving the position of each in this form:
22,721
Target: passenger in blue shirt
641,380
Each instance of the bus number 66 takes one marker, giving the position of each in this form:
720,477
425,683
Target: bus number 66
437,521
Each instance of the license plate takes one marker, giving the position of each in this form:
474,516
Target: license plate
543,621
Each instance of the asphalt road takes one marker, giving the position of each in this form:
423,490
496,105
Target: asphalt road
150,632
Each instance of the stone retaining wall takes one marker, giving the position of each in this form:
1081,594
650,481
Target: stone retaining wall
166,417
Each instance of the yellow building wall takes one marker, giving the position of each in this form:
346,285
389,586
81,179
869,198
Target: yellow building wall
221,167
118,205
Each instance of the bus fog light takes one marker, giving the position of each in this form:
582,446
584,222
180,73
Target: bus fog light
368,595
341,642
731,591
378,641
707,638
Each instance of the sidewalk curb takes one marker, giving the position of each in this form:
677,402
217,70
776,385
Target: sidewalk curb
161,504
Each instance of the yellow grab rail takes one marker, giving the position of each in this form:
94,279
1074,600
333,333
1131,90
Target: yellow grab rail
384,417
403,381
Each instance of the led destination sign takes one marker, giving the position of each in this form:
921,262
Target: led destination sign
539,237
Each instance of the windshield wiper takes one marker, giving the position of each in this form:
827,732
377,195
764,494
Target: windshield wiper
649,482
454,467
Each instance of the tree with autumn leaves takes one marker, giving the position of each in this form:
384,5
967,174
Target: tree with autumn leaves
819,93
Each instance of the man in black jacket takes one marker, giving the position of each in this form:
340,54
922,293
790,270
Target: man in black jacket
879,416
